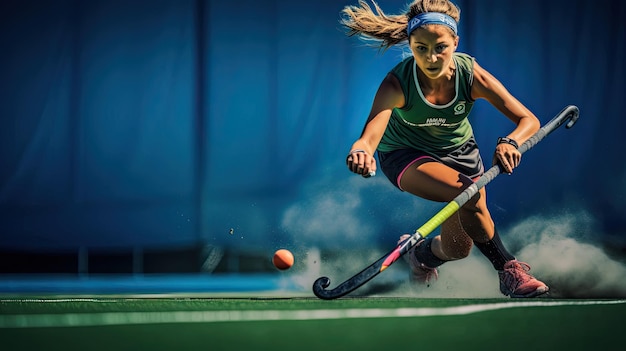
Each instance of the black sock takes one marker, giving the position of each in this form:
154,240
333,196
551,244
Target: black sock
494,250
425,254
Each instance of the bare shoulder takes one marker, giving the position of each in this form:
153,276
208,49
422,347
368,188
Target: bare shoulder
488,87
481,76
391,83
390,91
485,85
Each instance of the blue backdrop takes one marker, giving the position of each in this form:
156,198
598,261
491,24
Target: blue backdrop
165,123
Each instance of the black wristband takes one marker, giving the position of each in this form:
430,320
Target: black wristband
505,140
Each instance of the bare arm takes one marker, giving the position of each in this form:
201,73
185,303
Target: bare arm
361,160
489,88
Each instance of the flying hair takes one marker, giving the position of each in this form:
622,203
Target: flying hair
384,31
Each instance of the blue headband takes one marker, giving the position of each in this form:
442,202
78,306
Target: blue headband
431,18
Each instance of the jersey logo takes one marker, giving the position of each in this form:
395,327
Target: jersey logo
459,108
435,122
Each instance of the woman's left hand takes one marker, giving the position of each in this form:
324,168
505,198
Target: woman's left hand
508,156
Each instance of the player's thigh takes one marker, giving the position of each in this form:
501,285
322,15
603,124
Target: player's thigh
434,181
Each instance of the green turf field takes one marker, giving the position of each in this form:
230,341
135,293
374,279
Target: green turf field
175,322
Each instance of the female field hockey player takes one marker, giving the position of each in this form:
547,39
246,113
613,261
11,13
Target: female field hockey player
419,126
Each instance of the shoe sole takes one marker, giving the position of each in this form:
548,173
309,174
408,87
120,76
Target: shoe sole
535,293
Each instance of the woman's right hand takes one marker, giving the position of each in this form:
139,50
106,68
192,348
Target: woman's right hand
360,159
361,162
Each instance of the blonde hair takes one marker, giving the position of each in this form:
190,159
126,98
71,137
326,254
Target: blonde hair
384,31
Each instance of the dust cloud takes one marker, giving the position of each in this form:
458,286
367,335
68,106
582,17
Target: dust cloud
338,228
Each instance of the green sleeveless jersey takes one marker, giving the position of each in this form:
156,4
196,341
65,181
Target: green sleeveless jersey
435,129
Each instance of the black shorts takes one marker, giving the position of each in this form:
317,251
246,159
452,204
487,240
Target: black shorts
465,160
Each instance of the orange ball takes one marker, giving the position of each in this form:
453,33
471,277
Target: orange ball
283,259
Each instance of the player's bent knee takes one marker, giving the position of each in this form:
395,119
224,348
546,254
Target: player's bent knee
459,254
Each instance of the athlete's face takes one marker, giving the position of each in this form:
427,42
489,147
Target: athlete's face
432,47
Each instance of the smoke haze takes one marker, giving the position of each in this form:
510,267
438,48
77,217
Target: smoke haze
339,233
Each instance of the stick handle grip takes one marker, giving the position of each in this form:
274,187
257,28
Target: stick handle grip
569,114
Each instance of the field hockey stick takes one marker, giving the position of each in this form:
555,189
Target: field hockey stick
569,114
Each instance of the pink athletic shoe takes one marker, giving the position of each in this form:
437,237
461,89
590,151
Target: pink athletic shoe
420,273
515,281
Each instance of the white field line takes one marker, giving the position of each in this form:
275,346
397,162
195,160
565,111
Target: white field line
130,318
